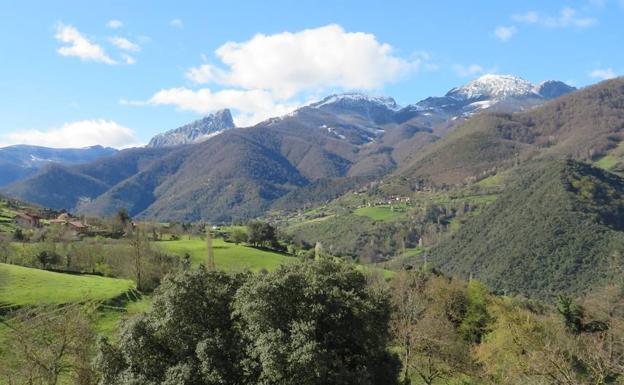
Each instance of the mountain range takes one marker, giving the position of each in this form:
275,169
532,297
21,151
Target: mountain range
210,170
20,161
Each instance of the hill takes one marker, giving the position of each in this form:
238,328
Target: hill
22,286
557,228
585,125
228,256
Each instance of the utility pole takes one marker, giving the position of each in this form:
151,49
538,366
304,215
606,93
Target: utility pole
211,262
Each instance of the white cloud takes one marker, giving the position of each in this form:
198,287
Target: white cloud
75,135
252,106
177,23
114,24
603,73
79,46
567,17
504,33
307,61
529,17
124,44
469,70
270,75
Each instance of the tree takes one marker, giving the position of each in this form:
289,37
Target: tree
5,248
571,312
47,258
308,324
210,263
140,248
18,235
261,234
476,320
239,236
315,323
408,307
149,266
428,312
188,337
44,344
123,217
528,346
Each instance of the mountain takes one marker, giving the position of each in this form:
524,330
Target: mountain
558,227
195,132
501,93
67,186
586,125
20,161
338,142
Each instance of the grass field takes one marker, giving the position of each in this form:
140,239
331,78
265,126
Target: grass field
607,162
381,213
228,256
25,286
109,318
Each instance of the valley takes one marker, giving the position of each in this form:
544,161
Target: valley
496,204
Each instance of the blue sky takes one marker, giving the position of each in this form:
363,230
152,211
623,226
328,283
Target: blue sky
77,73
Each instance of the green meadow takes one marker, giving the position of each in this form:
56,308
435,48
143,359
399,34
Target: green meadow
23,286
228,256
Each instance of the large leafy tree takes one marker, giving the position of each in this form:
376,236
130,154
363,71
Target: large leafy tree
261,234
189,336
309,323
316,323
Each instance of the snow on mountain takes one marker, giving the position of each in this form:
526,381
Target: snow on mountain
195,132
495,87
357,98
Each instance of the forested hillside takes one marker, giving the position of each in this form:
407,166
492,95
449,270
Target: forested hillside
557,228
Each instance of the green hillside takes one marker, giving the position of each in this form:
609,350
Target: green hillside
25,286
228,256
558,228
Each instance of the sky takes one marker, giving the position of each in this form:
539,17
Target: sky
115,73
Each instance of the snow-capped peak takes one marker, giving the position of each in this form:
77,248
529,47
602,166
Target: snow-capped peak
493,86
356,97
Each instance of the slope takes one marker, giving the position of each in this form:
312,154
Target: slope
559,227
584,125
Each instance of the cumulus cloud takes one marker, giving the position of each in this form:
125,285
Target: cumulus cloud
124,44
603,73
114,24
79,46
504,33
287,63
252,105
75,135
469,70
270,75
176,23
567,17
